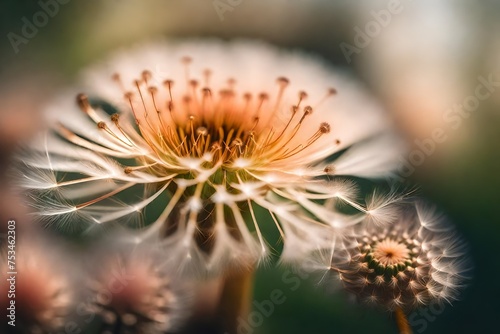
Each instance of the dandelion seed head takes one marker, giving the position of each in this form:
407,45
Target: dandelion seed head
228,129
400,271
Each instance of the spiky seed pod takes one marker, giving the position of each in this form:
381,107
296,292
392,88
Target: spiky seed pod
41,286
415,261
205,131
133,293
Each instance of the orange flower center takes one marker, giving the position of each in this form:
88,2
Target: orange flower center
389,252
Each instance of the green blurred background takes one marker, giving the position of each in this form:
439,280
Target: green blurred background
427,58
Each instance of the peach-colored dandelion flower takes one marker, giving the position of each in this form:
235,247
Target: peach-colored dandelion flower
216,132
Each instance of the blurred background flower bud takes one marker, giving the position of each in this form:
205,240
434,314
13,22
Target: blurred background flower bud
131,290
